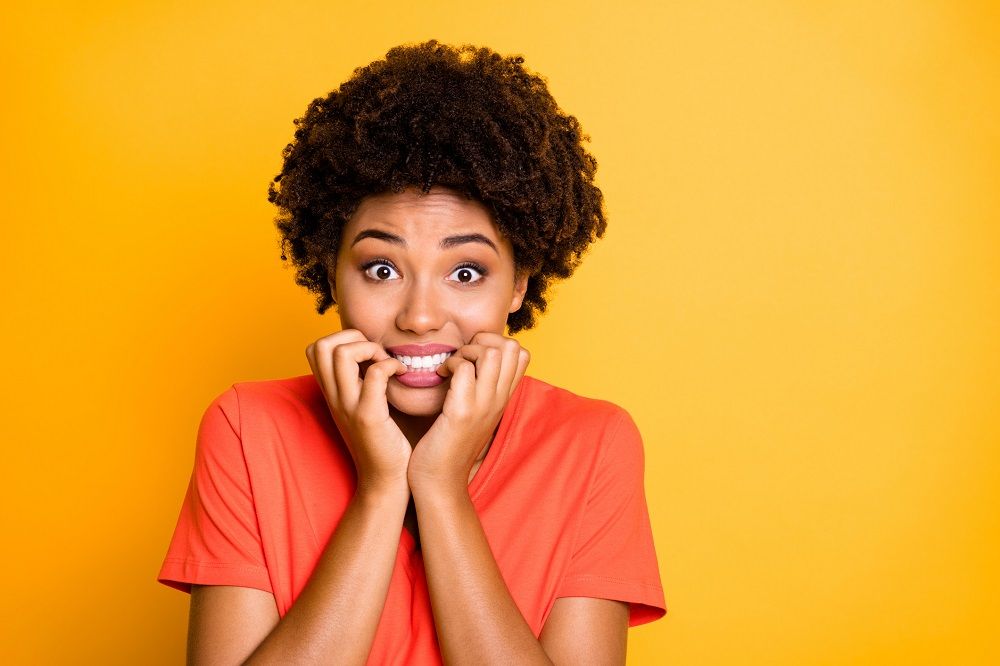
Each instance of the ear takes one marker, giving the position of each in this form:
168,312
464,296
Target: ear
520,287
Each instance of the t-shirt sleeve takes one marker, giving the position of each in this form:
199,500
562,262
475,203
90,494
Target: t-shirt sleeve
614,556
217,538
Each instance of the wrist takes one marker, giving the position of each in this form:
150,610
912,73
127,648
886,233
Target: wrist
438,490
382,491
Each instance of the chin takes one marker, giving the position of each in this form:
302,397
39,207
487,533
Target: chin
417,401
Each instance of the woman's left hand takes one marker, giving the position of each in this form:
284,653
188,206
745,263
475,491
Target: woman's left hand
484,374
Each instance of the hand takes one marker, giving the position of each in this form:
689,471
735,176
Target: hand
484,374
359,407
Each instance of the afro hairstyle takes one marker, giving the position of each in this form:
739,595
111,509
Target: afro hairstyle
461,117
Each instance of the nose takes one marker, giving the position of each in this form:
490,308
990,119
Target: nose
422,309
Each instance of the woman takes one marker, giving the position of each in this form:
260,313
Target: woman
417,497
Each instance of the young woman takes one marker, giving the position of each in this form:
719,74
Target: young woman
418,498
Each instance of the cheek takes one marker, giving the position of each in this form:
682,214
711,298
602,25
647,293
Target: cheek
363,315
482,315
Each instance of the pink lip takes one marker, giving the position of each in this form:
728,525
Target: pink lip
419,379
419,350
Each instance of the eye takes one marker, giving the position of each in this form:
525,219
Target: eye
383,270
469,273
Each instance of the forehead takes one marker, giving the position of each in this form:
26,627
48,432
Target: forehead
411,213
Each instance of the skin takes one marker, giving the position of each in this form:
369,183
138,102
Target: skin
416,450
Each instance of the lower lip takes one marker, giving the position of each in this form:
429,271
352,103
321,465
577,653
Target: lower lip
422,379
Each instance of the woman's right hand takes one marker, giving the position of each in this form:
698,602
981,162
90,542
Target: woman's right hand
359,407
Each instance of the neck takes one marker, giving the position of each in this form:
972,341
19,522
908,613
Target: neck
412,427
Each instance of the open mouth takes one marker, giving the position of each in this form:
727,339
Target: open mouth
420,364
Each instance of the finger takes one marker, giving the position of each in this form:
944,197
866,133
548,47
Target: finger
374,385
311,357
347,359
470,352
451,363
461,393
322,355
523,358
508,367
487,375
457,357
487,339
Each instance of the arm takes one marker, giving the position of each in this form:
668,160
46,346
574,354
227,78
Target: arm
475,616
335,617
476,619
586,630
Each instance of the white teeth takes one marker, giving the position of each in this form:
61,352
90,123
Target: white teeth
423,362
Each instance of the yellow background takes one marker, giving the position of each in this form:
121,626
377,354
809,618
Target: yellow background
798,299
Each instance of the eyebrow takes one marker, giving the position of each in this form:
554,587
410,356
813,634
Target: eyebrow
450,241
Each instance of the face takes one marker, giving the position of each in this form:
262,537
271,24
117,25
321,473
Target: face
424,269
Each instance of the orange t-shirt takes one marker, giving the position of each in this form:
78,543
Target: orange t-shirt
560,497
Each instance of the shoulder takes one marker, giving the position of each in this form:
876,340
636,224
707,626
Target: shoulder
596,437
556,405
269,399
285,393
582,422
295,389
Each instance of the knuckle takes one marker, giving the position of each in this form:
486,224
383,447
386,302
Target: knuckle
340,338
323,347
377,371
347,334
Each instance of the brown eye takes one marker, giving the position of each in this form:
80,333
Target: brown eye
468,274
380,271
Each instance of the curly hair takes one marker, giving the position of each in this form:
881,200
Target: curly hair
461,117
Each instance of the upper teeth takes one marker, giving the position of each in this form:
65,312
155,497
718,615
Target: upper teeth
417,362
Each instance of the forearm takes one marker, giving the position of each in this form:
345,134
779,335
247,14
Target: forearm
476,619
335,617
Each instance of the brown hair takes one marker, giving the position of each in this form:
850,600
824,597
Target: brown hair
461,117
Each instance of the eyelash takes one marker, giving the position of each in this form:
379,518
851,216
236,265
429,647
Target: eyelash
466,264
476,267
375,262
